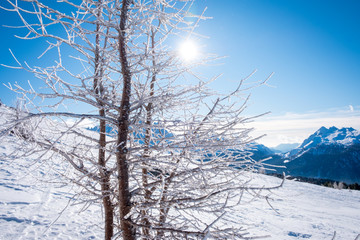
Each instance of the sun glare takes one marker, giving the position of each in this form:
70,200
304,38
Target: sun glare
188,50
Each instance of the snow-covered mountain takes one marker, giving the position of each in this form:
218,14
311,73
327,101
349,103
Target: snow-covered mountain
332,135
329,153
284,147
260,152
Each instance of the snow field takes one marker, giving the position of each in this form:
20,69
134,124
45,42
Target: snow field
34,209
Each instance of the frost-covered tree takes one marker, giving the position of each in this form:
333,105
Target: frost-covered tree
169,156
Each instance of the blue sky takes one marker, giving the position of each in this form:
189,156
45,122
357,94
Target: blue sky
313,47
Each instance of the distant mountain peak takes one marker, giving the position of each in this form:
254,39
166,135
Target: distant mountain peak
329,153
285,147
323,130
332,135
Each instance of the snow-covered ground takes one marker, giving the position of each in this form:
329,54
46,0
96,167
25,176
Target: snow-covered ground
32,209
305,211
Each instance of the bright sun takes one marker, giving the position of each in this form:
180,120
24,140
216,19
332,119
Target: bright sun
188,50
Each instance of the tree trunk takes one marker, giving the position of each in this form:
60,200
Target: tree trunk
104,174
128,231
105,183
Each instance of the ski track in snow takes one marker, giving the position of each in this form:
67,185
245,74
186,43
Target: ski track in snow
29,209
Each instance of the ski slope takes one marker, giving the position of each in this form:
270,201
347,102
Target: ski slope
34,206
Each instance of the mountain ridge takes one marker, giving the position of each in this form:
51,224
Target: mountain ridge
329,153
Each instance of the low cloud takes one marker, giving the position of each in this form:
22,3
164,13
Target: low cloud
351,108
295,127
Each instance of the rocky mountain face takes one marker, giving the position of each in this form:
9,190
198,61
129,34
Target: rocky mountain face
329,153
328,161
